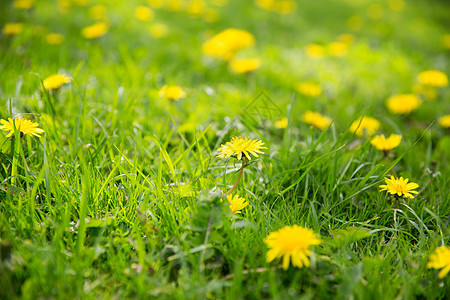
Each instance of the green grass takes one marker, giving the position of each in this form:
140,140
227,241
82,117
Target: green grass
121,198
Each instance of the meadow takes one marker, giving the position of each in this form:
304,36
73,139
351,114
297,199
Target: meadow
224,149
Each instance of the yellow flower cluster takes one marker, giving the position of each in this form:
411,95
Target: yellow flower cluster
236,203
242,147
440,259
403,104
227,43
385,144
54,38
12,28
55,81
244,66
366,125
309,89
94,31
399,187
316,119
444,121
279,6
172,92
21,125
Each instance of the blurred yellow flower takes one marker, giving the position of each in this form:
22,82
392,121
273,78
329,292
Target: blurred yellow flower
241,66
12,28
316,119
98,12
446,41
292,243
64,6
440,259
385,144
427,91
396,5
355,23
283,123
236,203
399,187
314,51
156,3
266,4
55,81
196,7
309,89
284,6
444,121
172,92
338,48
94,31
175,5
368,125
375,11
225,44
22,125
241,147
159,30
403,104
54,38
144,13
433,78
23,4
346,38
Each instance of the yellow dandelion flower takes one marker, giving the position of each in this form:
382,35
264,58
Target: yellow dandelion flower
23,4
94,31
236,203
316,119
292,243
172,92
56,81
338,49
265,4
12,28
98,12
283,123
444,121
399,187
175,5
22,125
225,44
242,66
159,30
433,78
144,13
440,259
54,38
385,144
309,89
284,6
314,51
403,104
196,7
365,124
346,38
241,147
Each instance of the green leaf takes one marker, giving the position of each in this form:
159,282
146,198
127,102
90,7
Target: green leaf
344,237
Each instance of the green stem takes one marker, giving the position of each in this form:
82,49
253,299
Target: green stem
237,181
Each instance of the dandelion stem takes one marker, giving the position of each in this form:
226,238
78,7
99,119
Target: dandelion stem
237,181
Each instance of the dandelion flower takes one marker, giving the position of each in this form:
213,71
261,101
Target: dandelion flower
283,123
23,4
316,119
94,31
292,243
399,187
386,144
403,104
265,4
241,147
159,30
433,78
144,13
314,51
338,49
440,259
54,38
236,203
225,44
309,89
55,81
242,66
22,125
365,124
172,92
12,28
284,6
444,121
98,12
